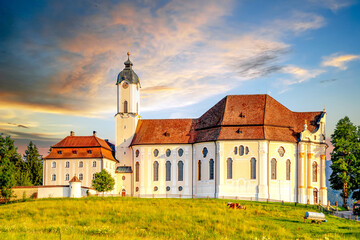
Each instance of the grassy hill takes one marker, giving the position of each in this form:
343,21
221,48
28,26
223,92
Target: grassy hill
118,218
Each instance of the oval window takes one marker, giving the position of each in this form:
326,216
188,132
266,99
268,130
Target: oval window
168,152
137,153
156,152
180,188
180,152
155,188
205,152
167,188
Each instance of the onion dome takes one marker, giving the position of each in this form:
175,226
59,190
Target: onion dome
128,73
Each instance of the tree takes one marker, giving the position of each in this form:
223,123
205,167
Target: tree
7,168
345,158
34,166
103,181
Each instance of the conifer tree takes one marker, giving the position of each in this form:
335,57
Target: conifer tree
34,165
8,154
345,158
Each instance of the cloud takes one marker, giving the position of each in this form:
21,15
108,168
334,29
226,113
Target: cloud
18,125
329,80
299,75
339,61
334,5
66,60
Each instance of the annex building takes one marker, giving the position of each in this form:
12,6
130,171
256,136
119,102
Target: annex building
245,147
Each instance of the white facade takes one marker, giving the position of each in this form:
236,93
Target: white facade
263,169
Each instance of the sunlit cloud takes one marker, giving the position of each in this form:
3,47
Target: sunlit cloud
339,61
299,75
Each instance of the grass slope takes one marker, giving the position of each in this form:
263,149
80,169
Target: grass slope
118,218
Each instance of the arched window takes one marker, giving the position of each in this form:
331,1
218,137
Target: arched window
53,165
180,171
125,106
211,169
168,171
168,152
137,171
273,168
156,171
235,150
81,176
199,170
253,168
241,150
315,167
288,169
94,163
229,164
67,177
53,177
137,153
67,164
81,164
246,150
205,152
180,152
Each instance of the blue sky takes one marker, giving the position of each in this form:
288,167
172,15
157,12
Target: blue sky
59,60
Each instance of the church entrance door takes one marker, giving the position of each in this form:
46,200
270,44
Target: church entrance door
315,195
123,193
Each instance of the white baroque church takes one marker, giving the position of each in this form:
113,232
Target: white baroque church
244,147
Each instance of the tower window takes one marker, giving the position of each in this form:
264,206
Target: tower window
125,106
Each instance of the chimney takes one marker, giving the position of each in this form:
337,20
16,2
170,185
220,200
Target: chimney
72,133
94,133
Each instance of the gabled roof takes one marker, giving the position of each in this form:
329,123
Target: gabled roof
77,147
235,117
82,141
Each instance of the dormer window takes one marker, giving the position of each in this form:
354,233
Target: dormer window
89,151
74,152
59,152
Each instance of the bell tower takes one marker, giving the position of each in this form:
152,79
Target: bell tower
127,116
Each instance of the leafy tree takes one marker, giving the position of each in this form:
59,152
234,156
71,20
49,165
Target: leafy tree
103,181
345,159
34,166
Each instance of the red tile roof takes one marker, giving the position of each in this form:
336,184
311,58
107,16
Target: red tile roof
233,118
75,179
74,147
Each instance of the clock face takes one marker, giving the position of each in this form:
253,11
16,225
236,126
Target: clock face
125,85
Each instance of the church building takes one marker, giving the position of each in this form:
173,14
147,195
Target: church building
245,147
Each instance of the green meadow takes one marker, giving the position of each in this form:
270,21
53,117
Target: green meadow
139,218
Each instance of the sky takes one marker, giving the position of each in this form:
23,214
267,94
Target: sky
59,60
